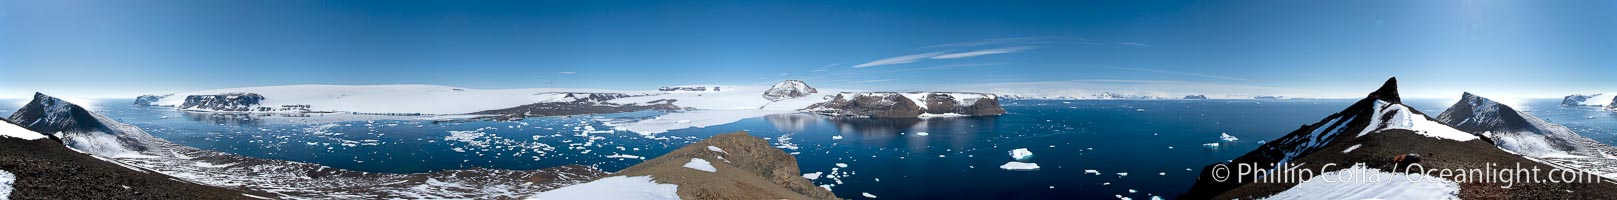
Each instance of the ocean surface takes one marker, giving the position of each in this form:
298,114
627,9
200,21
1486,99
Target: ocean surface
1158,144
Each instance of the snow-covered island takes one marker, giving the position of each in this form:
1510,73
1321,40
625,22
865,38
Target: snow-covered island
689,105
1603,100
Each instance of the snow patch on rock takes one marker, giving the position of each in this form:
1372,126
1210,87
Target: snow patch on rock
616,187
1359,182
700,164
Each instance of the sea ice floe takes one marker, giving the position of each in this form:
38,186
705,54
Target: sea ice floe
836,137
1210,145
812,176
625,156
1091,171
868,195
922,133
1227,137
1013,165
1021,154
842,165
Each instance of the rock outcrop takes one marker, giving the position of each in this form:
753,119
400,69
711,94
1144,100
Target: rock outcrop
222,102
742,167
789,89
910,104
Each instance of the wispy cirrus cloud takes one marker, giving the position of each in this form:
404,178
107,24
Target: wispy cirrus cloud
983,52
942,55
566,72
986,42
899,60
1137,44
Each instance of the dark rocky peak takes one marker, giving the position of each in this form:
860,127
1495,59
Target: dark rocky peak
47,114
1475,114
1388,92
594,97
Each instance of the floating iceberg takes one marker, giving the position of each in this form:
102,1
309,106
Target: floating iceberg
1021,154
1013,165
1227,137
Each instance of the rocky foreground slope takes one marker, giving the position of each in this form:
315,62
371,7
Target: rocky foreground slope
1382,135
45,169
124,145
725,166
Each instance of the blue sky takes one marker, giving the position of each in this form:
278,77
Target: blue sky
1308,48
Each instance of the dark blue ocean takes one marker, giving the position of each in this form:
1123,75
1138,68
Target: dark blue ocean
1153,141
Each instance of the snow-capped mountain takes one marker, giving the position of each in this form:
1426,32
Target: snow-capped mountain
1607,100
39,168
81,129
1195,96
1515,130
1381,133
1528,135
909,104
789,89
127,145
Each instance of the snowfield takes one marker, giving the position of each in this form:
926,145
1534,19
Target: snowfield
14,131
1364,183
730,103
732,97
700,164
6,180
1404,119
616,187
1602,99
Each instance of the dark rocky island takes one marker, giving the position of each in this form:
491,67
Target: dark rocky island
222,102
910,104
